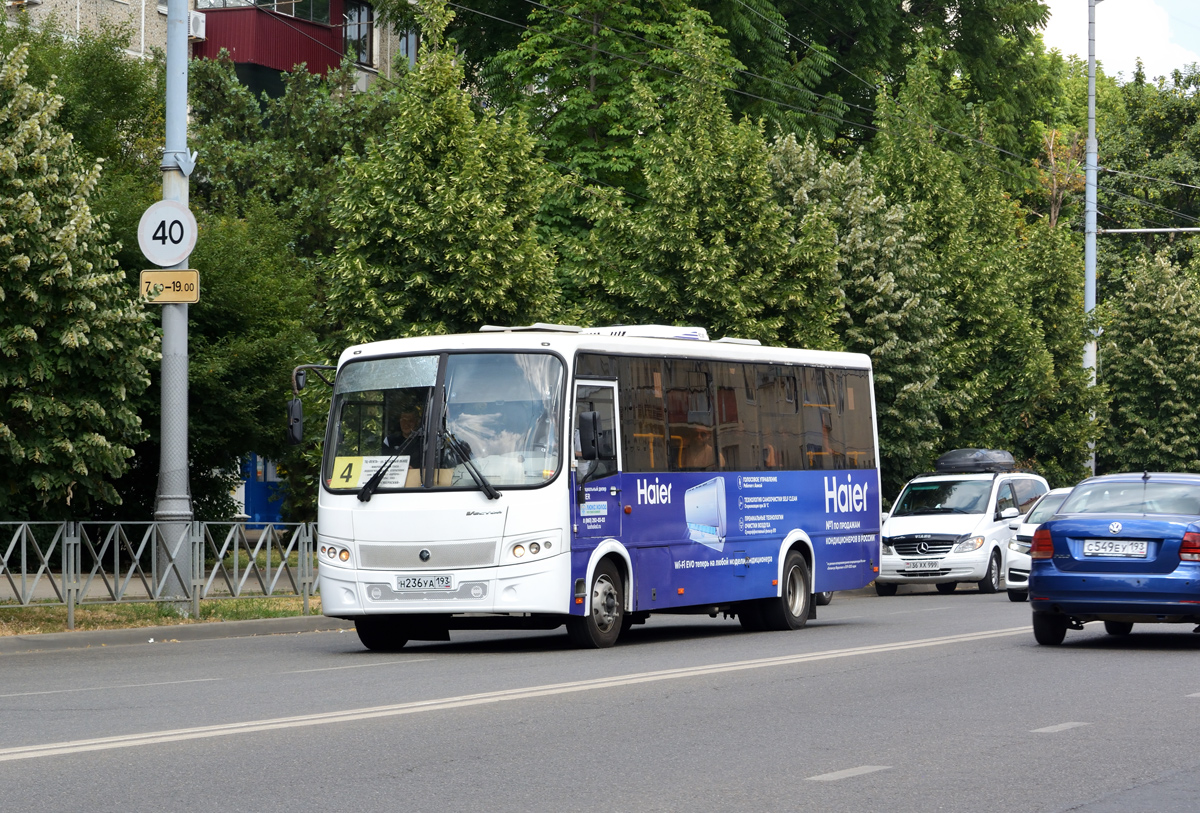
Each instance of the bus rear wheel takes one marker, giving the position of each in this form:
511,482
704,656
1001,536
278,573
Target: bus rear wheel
601,626
380,633
790,610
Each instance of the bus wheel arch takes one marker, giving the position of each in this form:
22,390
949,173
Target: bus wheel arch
612,550
604,618
800,542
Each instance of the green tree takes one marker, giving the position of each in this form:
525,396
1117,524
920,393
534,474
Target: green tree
253,324
1149,361
437,230
1008,368
74,344
1058,428
709,245
891,301
285,151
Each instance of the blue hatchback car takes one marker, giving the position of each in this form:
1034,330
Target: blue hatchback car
1123,549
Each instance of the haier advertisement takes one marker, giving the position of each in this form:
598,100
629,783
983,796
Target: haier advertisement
705,529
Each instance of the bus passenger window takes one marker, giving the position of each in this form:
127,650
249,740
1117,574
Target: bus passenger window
643,415
690,416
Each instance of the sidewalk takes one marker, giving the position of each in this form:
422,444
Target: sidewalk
84,639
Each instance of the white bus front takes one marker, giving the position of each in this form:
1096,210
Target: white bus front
444,491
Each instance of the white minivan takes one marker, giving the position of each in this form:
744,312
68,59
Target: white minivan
950,527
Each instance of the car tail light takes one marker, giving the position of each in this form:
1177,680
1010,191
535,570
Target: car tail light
1189,550
1043,545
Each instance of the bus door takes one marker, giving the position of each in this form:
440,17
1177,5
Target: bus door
596,496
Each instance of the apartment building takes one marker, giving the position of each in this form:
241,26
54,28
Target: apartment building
263,37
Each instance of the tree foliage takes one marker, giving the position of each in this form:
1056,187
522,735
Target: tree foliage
709,244
436,221
1150,364
891,300
74,344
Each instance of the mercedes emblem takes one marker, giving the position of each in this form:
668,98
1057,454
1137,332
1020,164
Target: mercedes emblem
922,548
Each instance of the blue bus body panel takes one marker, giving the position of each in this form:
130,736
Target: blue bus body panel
711,538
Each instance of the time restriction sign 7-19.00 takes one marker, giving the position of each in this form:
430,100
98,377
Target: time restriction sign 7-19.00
167,233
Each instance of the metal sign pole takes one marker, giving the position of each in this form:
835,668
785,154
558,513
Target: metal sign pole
173,506
1089,239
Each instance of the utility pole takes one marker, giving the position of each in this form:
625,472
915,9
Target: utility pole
173,503
1089,239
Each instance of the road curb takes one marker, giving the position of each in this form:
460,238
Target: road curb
173,633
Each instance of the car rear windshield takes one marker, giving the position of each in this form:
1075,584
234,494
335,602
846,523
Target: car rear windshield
1133,498
1046,508
943,497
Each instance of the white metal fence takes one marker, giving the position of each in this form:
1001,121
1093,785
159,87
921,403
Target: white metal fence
82,563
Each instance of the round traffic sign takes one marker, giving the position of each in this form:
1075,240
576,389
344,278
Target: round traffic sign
167,233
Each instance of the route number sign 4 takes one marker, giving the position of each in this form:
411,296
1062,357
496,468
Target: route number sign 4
167,233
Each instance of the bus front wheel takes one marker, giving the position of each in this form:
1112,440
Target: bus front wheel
790,610
380,633
601,626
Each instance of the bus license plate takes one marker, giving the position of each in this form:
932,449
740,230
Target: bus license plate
1125,548
932,564
434,581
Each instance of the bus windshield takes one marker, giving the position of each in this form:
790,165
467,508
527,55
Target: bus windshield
503,410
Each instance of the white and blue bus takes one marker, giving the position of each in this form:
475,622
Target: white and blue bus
533,477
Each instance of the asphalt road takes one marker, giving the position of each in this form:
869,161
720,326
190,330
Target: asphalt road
920,702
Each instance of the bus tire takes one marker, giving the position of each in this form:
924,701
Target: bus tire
749,615
790,610
380,633
602,625
822,599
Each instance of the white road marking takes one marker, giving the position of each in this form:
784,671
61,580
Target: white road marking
922,610
1197,694
1054,729
849,772
110,688
463,701
357,666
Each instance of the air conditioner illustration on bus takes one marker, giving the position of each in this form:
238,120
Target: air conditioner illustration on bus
704,510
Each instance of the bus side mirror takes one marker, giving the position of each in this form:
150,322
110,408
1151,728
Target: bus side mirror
295,427
589,435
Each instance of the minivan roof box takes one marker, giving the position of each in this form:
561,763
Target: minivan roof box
975,461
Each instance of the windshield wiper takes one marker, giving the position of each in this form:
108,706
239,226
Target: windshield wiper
464,455
364,493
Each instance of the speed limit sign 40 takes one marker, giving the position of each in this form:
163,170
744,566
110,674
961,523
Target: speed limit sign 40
167,233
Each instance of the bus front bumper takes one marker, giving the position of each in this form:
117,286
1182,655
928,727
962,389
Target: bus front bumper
534,587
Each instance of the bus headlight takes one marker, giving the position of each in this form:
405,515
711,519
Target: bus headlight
518,551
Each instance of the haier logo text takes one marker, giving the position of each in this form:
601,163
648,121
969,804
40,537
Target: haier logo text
846,497
653,493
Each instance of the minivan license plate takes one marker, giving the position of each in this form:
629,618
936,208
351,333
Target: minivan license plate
932,564
1125,548
434,581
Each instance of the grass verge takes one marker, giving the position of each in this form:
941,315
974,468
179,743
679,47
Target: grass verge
41,618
